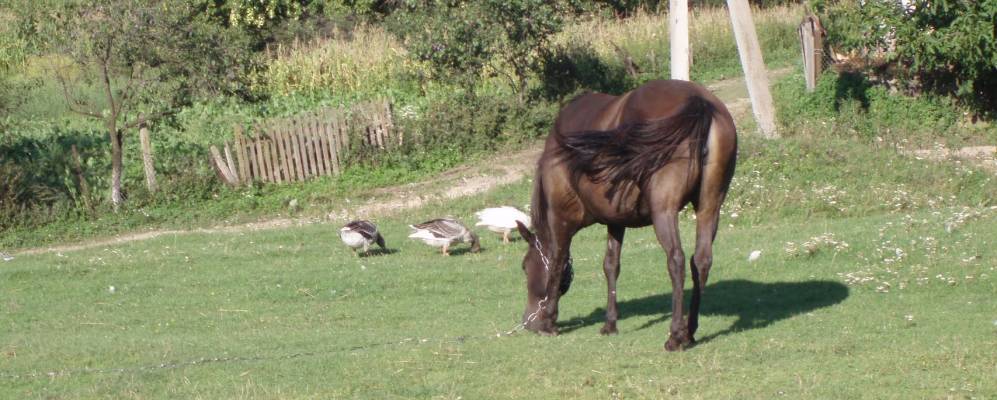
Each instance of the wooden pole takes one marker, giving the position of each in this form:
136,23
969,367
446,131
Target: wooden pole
240,153
806,33
230,162
84,188
755,76
678,29
223,171
150,169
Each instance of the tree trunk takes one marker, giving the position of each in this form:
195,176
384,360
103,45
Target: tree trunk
116,168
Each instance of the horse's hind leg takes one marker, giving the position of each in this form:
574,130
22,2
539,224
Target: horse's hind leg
611,266
667,229
711,197
707,217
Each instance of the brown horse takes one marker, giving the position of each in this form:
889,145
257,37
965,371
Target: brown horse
625,162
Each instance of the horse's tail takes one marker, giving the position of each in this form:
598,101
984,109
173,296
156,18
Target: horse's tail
628,155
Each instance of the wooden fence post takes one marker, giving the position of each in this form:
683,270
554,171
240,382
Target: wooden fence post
811,43
230,162
150,169
755,76
240,153
84,187
221,168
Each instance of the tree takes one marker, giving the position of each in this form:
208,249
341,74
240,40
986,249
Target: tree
463,39
132,62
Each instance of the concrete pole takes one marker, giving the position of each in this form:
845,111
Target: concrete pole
678,29
754,67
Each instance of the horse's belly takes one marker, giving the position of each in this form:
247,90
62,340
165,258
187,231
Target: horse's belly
626,209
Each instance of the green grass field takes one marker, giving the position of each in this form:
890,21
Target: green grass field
877,279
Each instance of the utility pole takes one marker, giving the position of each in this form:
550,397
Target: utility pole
678,19
750,53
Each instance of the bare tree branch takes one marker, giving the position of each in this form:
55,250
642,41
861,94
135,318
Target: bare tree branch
106,77
72,103
142,119
126,94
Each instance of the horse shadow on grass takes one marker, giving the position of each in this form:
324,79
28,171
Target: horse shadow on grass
755,304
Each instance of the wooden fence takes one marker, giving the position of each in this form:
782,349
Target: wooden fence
306,145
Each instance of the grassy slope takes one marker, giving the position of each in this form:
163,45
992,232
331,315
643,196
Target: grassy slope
851,324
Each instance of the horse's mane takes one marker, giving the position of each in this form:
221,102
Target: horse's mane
538,206
628,155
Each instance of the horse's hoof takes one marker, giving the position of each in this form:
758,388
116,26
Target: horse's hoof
674,344
548,332
541,327
608,329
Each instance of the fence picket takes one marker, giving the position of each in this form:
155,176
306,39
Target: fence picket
274,158
323,148
310,155
301,152
330,132
264,156
240,153
313,148
279,146
326,147
254,157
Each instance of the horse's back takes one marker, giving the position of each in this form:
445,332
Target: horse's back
653,100
662,98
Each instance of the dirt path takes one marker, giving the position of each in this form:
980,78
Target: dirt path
459,182
981,156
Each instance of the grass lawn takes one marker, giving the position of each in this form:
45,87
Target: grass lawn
877,279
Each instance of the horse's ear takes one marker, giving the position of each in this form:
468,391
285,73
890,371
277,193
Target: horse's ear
525,233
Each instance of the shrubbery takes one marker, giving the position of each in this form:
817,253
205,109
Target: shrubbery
944,46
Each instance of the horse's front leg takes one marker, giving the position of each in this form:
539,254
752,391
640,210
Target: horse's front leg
557,261
667,230
611,266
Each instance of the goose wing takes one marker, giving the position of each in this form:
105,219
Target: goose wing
502,217
365,228
444,228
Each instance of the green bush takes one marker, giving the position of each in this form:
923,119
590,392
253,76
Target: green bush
465,40
944,46
572,68
849,105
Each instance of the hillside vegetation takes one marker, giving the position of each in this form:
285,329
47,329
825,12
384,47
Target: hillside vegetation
452,117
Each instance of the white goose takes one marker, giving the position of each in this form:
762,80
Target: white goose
444,232
502,220
360,233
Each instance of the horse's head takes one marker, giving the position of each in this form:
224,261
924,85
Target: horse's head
538,266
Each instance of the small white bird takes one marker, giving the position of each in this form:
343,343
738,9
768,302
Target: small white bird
444,232
502,220
6,257
755,255
360,233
